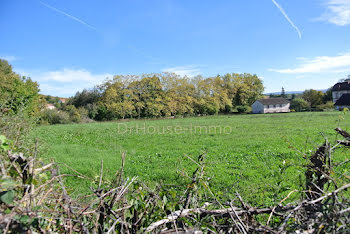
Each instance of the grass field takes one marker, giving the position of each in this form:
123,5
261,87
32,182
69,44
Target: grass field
244,152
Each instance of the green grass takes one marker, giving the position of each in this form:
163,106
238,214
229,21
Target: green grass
248,159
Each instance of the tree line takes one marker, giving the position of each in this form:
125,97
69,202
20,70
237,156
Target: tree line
168,94
312,100
147,96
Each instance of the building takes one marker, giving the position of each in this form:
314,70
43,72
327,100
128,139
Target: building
339,89
62,100
50,106
342,102
341,94
271,105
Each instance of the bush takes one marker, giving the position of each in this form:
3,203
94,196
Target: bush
84,115
326,107
299,104
242,109
92,110
54,117
74,115
68,115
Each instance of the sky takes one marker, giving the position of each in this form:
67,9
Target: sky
67,46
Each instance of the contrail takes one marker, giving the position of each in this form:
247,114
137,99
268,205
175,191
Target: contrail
287,17
68,15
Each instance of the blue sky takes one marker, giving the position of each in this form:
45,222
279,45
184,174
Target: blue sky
70,45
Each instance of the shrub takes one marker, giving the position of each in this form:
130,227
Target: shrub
54,117
325,107
74,115
242,109
299,104
92,110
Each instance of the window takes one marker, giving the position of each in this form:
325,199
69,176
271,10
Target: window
274,106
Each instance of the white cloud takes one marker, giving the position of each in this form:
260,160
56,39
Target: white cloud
65,82
338,12
190,70
70,75
287,17
9,58
339,63
60,91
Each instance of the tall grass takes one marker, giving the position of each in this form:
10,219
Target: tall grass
247,159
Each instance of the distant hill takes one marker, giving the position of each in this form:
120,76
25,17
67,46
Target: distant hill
292,92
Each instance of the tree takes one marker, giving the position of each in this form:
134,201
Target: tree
247,89
18,92
168,94
283,93
328,96
178,94
113,97
85,97
152,96
313,97
299,104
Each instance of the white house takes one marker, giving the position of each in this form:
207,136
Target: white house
271,105
50,106
340,88
341,94
343,101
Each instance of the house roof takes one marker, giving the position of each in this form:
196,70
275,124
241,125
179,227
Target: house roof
63,100
341,86
273,101
344,100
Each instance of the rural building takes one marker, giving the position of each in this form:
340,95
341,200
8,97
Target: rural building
341,94
63,100
271,105
340,88
50,106
342,102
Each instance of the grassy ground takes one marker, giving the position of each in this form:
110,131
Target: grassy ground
244,152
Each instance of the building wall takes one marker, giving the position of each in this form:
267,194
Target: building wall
283,108
50,107
337,94
341,107
257,108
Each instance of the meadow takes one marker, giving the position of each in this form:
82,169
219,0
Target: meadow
258,155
